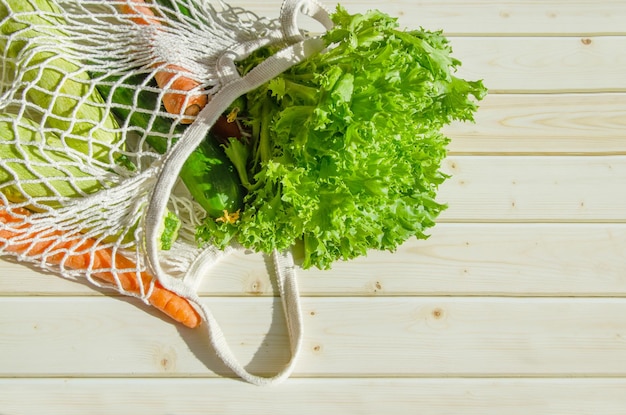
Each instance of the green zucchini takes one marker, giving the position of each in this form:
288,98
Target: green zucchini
208,173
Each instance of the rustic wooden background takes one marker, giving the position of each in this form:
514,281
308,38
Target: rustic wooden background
516,305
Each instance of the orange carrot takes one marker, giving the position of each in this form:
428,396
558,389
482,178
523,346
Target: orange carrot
172,101
141,11
77,255
172,76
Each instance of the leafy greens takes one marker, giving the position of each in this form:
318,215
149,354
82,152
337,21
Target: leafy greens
346,147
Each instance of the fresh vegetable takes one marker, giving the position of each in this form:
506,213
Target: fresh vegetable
79,253
346,147
58,85
42,167
207,173
37,169
170,77
49,160
177,8
143,14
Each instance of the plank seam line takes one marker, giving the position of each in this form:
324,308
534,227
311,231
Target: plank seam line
318,377
359,297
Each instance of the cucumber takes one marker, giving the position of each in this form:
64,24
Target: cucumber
173,5
208,173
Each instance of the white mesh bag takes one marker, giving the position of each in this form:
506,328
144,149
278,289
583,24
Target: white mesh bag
89,195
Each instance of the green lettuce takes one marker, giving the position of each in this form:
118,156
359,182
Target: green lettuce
346,147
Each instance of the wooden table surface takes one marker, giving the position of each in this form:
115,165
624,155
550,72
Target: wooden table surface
515,305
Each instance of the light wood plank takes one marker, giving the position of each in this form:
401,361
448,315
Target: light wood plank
458,259
486,16
344,337
314,397
537,63
534,189
543,64
23,279
544,124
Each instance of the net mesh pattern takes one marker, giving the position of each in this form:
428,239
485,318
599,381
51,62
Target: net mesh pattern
75,176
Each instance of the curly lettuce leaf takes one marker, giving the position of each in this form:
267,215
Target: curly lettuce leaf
347,146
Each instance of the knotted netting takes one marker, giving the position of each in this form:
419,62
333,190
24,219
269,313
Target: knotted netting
102,102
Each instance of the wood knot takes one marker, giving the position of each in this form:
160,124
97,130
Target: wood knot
374,287
585,41
166,359
256,287
438,313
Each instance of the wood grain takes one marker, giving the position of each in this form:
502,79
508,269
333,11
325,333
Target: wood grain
543,64
344,337
461,260
449,396
480,17
537,189
544,124
458,259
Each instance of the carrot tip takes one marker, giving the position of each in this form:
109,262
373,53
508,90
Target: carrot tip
193,110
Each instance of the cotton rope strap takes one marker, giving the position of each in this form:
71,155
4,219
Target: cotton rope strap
300,49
